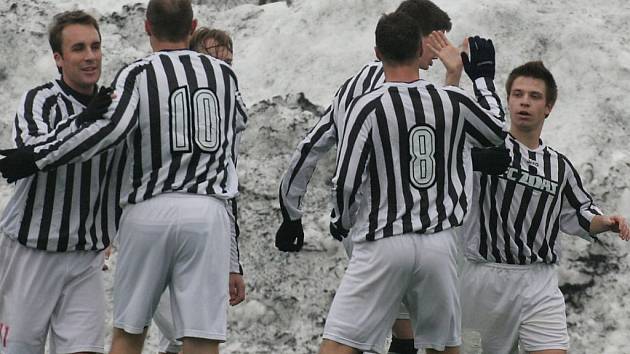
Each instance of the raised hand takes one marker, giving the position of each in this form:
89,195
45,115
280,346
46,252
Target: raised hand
481,62
448,54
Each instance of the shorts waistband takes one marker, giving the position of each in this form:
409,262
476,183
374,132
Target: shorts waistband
515,267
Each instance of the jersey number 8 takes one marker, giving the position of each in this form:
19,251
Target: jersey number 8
204,119
422,150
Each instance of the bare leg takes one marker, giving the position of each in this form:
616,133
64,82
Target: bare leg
200,346
402,329
332,347
447,350
127,343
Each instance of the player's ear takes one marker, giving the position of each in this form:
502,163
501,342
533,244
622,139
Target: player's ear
548,108
58,59
147,27
378,54
193,26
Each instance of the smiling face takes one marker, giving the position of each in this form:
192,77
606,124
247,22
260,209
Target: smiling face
527,102
80,57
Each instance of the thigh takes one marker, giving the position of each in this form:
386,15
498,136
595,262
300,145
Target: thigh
491,305
367,300
31,286
147,238
544,324
78,322
433,299
199,285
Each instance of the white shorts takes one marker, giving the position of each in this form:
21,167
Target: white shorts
418,270
348,245
60,292
180,241
163,320
514,304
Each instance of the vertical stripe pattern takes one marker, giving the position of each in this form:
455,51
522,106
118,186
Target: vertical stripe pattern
408,143
521,212
68,208
177,112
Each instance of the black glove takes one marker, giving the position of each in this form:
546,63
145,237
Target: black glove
17,164
481,62
290,236
337,231
97,106
491,161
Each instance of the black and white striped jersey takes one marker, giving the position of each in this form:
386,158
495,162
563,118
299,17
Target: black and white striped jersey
74,207
179,113
404,161
322,138
516,216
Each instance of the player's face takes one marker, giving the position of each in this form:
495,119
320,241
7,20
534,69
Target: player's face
527,103
80,57
221,52
426,60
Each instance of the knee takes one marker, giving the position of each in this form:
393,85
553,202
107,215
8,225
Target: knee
332,347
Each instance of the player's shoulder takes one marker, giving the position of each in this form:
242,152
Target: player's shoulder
454,91
562,158
370,97
41,92
45,88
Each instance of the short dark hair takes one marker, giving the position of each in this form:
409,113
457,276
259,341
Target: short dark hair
397,38
202,33
171,20
427,14
536,70
63,19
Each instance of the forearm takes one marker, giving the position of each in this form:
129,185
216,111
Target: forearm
600,223
453,77
302,165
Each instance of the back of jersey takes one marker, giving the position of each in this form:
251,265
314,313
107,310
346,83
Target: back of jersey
403,162
180,113
189,114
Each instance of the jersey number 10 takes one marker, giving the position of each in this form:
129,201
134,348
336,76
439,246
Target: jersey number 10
201,112
422,150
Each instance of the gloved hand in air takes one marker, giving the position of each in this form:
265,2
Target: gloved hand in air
481,62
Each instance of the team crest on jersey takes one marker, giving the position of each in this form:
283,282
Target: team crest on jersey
533,181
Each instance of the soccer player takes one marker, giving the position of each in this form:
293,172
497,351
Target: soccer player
214,42
218,44
510,291
179,112
56,223
401,185
326,134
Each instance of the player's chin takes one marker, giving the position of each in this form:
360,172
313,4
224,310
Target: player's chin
90,78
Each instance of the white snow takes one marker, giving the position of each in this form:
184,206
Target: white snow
312,46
